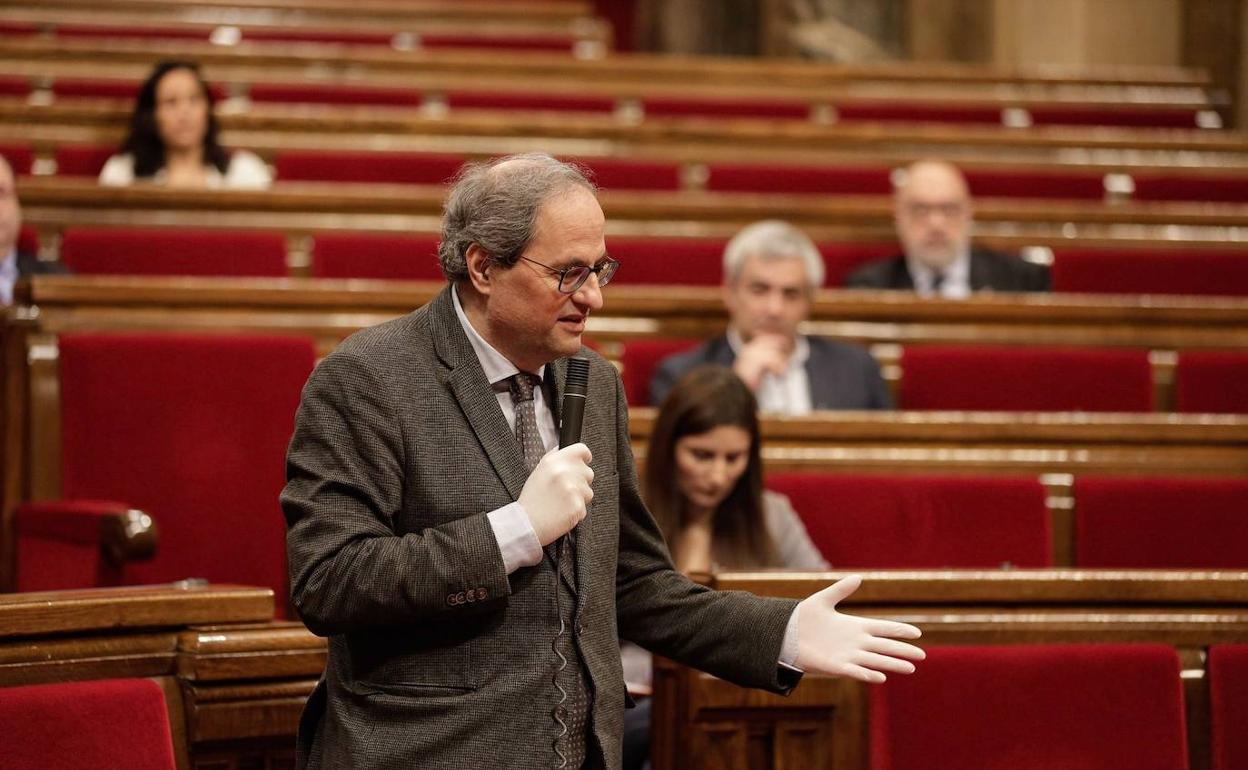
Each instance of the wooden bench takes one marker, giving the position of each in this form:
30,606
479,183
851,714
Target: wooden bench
702,722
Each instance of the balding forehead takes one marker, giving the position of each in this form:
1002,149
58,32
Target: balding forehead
934,177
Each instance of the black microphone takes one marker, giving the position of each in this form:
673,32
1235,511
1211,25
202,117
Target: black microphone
572,412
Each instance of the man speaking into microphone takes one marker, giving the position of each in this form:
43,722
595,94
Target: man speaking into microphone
474,579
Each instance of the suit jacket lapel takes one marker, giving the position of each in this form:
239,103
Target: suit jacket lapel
476,398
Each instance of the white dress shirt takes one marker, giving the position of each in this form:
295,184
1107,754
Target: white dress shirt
956,283
787,393
8,277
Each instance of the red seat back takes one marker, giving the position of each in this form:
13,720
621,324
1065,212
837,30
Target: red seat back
506,100
670,261
987,377
317,93
383,256
82,160
20,158
628,174
1138,117
1208,381
1018,183
921,522
193,430
1029,707
375,167
1175,187
638,361
101,723
790,178
893,112
1161,523
1228,691
675,107
841,259
1151,271
126,251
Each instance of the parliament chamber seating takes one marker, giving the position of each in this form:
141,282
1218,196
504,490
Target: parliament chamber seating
1025,379
126,251
19,157
75,160
189,429
376,255
1206,272
921,522
534,102
325,93
639,360
1212,381
1228,688
390,167
1161,523
101,723
1033,706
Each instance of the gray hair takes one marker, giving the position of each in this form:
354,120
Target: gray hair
495,204
773,239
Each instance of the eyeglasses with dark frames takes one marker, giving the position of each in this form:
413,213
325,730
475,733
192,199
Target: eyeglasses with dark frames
572,278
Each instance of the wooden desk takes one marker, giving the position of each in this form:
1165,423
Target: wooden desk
703,722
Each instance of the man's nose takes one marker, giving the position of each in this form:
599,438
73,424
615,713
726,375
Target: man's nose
590,294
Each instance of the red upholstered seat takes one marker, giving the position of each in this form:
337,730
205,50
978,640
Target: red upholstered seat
192,430
788,178
1032,707
1139,117
673,261
19,156
82,160
1151,271
1207,381
1018,183
921,522
918,113
28,240
1228,696
127,251
1173,187
506,100
727,108
384,256
320,93
130,31
1161,523
987,377
127,90
638,361
13,85
628,174
376,167
299,35
18,28
105,723
506,42
841,259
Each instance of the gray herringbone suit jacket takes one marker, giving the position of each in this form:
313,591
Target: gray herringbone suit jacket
437,657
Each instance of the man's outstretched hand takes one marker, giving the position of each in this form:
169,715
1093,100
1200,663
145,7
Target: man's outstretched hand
832,643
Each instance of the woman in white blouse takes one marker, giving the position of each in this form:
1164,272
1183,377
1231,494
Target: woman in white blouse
173,138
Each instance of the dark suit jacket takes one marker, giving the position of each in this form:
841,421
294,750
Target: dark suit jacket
989,270
438,658
841,376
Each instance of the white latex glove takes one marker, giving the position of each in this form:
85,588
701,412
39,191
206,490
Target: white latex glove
765,353
557,493
835,644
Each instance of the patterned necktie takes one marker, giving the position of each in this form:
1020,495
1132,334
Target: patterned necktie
521,385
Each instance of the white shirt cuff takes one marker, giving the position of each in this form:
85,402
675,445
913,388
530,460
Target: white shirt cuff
516,539
788,647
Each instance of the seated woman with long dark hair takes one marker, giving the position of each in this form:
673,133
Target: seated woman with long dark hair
173,138
704,485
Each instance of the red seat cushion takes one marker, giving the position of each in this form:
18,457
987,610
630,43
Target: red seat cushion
97,724
918,113
1139,117
383,256
1173,187
1151,271
119,31
82,160
193,430
1161,523
628,174
507,42
1207,381
1018,183
1031,707
788,178
672,261
988,377
638,361
13,85
375,167
307,93
126,251
298,35
1228,691
841,259
19,156
921,522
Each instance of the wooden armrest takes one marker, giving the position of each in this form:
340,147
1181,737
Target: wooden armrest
123,533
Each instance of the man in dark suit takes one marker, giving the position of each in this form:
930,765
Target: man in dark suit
771,273
14,264
474,581
932,212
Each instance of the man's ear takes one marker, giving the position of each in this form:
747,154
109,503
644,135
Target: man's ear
479,265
